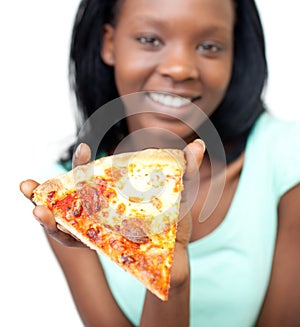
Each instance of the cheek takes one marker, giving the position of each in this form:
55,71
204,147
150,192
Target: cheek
132,72
217,82
216,77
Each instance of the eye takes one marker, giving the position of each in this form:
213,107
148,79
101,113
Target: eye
209,48
150,41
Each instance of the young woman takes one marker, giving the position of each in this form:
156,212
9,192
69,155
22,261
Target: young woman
240,266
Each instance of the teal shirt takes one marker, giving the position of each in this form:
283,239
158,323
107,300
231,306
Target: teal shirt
230,267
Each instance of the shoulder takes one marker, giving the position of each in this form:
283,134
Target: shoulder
271,128
275,144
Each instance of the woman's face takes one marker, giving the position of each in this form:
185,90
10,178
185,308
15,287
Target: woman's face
182,47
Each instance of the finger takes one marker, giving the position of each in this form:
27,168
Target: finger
184,227
46,219
82,155
27,187
194,153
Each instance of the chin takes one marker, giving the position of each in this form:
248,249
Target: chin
163,133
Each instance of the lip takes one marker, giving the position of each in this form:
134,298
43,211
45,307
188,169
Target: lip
190,97
173,105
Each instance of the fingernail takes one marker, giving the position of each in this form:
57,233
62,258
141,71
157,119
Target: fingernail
201,142
78,150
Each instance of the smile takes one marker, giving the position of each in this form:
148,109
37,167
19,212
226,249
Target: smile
171,100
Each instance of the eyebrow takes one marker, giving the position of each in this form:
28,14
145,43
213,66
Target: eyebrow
210,29
150,19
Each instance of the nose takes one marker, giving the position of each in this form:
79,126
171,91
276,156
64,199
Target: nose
178,64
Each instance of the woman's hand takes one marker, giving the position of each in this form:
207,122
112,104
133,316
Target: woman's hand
194,153
44,216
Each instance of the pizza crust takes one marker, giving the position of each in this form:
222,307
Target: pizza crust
172,157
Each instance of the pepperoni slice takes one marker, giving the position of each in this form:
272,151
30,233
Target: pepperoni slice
90,197
134,230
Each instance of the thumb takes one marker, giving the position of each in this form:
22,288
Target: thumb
194,153
82,155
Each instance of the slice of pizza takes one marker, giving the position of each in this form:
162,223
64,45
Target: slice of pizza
125,206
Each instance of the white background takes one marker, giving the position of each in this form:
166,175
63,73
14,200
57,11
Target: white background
37,123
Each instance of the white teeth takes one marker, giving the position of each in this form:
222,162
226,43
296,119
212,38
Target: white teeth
169,100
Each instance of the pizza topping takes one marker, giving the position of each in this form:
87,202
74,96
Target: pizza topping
77,208
90,197
101,185
135,199
121,209
134,230
178,187
92,234
114,174
117,245
156,202
110,193
51,194
64,204
127,259
51,197
119,172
